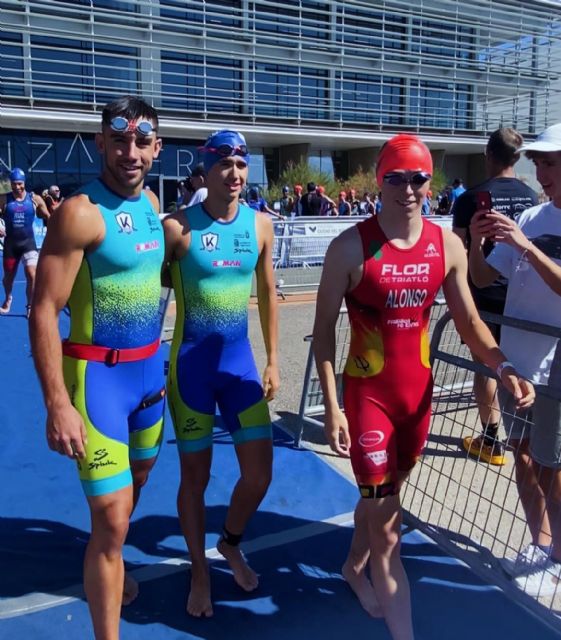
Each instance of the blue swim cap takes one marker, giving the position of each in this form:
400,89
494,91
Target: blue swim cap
17,175
223,144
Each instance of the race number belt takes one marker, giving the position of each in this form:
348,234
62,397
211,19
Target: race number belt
106,354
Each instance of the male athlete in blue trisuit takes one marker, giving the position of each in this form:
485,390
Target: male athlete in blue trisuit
18,209
104,385
213,249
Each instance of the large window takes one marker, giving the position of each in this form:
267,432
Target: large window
11,64
290,92
79,71
440,105
370,30
200,83
370,99
214,14
445,43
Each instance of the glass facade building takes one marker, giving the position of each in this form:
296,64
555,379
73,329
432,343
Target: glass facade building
304,78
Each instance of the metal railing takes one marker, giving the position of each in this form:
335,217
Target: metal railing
301,244
469,507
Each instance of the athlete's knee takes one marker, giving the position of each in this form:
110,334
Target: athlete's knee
195,472
258,480
110,524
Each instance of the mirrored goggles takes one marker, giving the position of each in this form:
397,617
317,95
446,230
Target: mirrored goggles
414,179
226,150
122,125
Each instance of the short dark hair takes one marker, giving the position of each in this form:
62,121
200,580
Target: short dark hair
311,186
198,171
131,108
503,146
457,181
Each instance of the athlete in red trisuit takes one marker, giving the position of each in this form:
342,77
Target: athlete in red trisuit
389,269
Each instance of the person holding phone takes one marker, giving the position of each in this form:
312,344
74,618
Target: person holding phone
528,252
503,192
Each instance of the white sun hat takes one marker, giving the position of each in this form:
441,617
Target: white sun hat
549,140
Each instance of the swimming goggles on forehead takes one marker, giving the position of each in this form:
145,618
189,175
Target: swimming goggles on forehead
226,150
415,179
122,125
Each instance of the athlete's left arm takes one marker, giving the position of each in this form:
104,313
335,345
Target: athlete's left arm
471,328
267,303
41,209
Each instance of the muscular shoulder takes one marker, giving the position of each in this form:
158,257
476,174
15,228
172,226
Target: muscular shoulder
454,249
153,200
346,249
77,223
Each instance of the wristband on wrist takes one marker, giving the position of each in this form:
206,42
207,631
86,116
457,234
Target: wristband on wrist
502,367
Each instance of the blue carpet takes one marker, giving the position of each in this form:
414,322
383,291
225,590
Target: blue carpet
44,529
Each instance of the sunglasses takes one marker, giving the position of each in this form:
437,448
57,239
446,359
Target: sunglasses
144,127
415,179
226,150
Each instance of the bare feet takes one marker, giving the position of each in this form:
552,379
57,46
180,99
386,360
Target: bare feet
130,590
199,603
6,306
363,589
244,575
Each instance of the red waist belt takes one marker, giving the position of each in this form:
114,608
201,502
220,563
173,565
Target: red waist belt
106,354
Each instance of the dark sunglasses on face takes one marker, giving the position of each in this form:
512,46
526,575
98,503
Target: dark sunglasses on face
226,150
415,179
120,124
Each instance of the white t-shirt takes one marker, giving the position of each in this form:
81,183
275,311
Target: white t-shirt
198,197
528,296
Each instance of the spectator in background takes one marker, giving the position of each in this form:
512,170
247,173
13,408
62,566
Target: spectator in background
256,202
297,207
184,194
443,202
311,201
286,203
344,207
378,204
510,197
426,207
366,205
197,185
328,206
457,190
53,200
354,202
528,253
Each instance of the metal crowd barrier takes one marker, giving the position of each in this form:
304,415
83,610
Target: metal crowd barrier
469,507
301,244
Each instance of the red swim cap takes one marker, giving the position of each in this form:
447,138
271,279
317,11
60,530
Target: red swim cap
404,152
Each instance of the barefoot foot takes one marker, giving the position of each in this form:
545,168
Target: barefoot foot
130,590
6,306
244,575
199,603
363,589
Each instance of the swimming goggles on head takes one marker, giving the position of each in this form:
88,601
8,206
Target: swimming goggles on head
226,150
415,179
122,125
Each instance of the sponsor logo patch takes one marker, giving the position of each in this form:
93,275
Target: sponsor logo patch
371,438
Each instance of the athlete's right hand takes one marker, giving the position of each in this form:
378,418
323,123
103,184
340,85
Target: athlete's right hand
66,432
337,433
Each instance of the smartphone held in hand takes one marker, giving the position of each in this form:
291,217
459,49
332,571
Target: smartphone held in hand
483,200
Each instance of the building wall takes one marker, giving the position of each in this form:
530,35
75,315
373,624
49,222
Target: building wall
340,70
